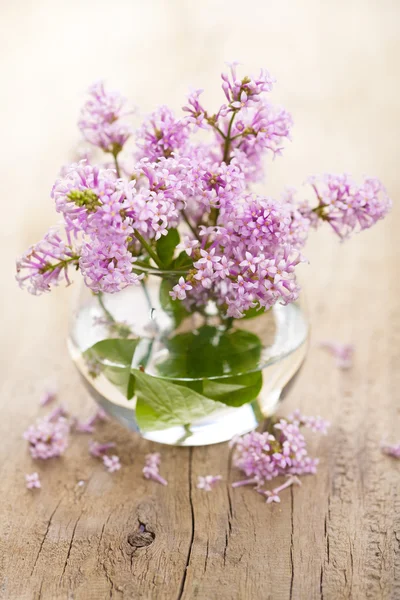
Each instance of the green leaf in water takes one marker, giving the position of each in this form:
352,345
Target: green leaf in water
114,356
211,352
161,404
234,391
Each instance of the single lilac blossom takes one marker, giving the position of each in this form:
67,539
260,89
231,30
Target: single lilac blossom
151,468
32,481
343,353
391,449
111,463
98,450
48,396
207,482
273,495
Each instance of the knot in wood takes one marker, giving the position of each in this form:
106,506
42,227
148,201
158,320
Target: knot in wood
141,538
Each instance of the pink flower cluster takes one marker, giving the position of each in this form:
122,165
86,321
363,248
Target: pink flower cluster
243,249
102,120
265,456
48,438
348,206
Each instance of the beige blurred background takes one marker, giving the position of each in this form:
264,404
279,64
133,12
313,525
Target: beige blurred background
336,65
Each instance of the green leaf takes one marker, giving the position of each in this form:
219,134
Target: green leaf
234,391
211,352
162,404
166,246
182,261
252,312
115,358
174,308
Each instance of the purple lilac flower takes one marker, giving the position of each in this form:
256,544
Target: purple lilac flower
265,456
86,192
45,263
197,114
161,135
48,438
343,353
273,495
249,261
151,468
261,130
244,248
391,449
347,206
102,119
106,265
207,482
316,424
32,481
111,463
98,450
179,290
245,92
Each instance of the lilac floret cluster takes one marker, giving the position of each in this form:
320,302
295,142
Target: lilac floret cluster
242,249
103,119
265,456
48,438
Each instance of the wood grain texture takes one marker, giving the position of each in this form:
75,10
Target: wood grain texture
120,536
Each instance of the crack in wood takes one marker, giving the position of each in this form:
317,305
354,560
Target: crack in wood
206,559
70,547
321,582
45,535
183,582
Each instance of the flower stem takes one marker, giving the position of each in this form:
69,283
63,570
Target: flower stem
188,223
115,154
62,264
105,309
148,248
227,145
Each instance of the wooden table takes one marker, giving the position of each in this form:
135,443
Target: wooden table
120,536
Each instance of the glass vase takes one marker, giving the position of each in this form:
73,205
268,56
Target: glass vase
214,378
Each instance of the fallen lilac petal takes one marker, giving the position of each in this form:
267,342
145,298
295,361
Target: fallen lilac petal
98,450
111,463
32,481
101,415
152,473
273,498
207,482
150,470
83,427
343,353
253,481
59,411
391,449
48,396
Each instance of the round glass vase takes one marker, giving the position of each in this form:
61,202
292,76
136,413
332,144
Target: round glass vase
179,378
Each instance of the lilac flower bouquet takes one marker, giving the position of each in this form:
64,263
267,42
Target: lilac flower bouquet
189,326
